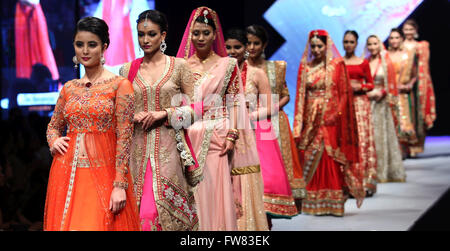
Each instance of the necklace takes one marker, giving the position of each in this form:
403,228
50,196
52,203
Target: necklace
211,54
89,83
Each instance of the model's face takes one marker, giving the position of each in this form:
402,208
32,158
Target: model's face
318,48
373,45
409,31
88,48
150,37
395,40
203,37
235,49
350,43
255,46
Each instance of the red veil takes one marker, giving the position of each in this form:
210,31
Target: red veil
338,111
187,49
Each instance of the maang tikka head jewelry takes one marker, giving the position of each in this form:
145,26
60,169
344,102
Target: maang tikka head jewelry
146,21
315,36
205,14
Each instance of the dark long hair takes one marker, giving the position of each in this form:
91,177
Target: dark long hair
238,34
258,31
353,32
156,17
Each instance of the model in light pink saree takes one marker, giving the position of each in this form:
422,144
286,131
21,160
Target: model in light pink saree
220,89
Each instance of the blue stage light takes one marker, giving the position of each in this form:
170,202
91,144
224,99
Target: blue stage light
4,103
44,98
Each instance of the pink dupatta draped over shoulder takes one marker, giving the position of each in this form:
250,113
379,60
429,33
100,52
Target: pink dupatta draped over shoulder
214,196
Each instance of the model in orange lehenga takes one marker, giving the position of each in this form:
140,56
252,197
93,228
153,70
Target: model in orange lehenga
89,186
325,129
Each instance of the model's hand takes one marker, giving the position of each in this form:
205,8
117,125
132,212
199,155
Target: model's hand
356,87
60,145
139,117
372,95
228,147
408,87
153,117
380,95
118,200
405,88
376,95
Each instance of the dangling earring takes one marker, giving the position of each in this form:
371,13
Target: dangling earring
102,60
416,36
76,62
246,54
163,46
263,55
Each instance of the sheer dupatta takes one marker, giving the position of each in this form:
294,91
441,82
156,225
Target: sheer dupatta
229,87
187,49
338,111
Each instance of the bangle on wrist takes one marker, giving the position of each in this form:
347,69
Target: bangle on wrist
233,134
231,140
119,184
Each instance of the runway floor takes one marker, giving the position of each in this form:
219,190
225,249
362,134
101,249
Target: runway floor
395,206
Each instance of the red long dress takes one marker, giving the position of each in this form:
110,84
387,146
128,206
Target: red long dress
324,129
367,151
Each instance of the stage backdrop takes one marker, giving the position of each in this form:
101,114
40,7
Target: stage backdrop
287,22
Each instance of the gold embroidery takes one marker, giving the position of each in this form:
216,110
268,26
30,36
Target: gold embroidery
324,202
246,170
72,179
